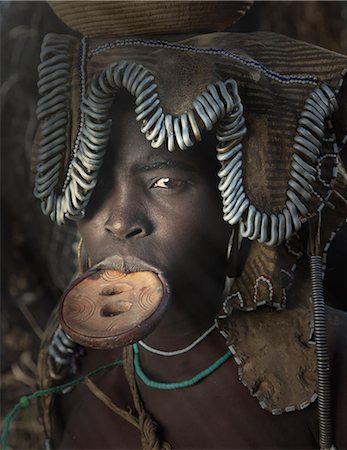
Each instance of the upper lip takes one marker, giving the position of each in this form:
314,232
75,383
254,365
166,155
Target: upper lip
126,264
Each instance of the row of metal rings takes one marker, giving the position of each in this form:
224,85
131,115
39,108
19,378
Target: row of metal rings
320,105
64,353
272,229
52,113
178,132
220,102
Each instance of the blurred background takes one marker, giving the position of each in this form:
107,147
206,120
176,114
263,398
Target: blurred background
37,257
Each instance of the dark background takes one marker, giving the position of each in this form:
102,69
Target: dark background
37,257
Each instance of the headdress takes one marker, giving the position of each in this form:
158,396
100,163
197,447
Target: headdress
276,106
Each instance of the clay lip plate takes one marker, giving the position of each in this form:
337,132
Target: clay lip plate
115,303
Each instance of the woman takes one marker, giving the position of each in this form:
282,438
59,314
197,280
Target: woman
154,226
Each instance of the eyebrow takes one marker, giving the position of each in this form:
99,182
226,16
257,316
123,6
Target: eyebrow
167,164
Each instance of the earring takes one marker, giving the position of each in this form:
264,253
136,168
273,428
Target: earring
237,253
83,261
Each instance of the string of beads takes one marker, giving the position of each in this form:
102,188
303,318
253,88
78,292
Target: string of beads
24,401
179,384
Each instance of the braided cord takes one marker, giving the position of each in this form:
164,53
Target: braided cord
25,400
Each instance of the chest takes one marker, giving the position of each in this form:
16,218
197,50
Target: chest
216,413
220,413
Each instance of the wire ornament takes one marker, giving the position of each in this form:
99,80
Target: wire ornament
219,107
271,229
180,132
64,353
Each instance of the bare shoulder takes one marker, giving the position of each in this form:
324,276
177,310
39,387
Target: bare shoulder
78,412
337,338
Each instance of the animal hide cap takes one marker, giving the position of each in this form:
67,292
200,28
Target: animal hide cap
143,18
276,119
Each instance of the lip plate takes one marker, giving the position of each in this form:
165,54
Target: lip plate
142,329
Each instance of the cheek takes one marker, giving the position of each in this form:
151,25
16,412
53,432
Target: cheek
196,229
91,232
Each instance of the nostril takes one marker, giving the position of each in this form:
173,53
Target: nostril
128,221
135,232
125,231
116,308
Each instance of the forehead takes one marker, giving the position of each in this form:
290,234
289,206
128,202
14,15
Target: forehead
127,144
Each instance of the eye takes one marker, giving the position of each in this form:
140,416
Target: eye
168,183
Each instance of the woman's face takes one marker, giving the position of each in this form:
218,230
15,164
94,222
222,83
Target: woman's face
162,207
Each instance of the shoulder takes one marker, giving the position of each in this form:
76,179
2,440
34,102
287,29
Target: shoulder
104,401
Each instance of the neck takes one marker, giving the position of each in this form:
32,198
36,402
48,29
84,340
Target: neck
189,315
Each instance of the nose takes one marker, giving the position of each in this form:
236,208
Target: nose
127,223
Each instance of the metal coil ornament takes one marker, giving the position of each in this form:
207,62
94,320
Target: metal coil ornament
272,229
180,132
323,368
64,354
218,107
53,117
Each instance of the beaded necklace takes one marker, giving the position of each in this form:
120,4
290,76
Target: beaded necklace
179,384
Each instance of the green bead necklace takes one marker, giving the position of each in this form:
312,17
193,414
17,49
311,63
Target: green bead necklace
179,384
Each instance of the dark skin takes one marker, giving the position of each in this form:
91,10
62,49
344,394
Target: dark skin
165,208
